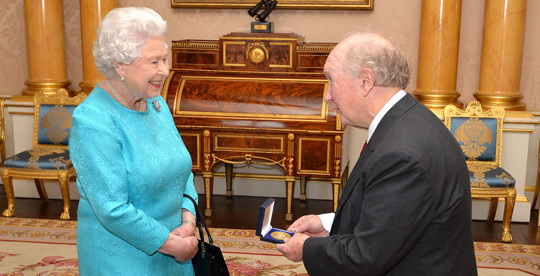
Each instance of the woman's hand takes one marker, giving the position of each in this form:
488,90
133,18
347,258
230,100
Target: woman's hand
187,229
181,248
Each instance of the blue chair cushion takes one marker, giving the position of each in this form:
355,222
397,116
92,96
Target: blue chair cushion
54,124
489,176
40,159
477,137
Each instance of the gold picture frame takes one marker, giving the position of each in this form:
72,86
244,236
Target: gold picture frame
282,4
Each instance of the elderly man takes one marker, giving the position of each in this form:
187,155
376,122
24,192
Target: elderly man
406,207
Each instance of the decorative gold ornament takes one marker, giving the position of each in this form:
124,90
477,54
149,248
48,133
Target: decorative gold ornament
256,52
474,134
56,123
256,55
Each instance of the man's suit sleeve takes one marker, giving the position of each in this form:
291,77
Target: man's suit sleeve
390,207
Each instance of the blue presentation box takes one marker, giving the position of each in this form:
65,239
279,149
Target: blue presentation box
265,229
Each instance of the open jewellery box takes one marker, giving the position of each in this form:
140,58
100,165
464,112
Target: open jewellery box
265,229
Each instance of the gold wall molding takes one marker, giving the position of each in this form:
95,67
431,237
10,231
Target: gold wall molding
517,130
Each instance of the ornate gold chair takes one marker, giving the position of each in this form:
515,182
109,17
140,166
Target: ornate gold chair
479,132
49,156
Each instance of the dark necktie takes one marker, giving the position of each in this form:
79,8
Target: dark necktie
365,143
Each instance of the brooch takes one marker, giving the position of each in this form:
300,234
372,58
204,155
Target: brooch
156,105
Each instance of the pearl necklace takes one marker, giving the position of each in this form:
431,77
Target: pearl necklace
123,102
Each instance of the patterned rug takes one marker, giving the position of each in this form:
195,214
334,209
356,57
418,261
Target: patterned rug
48,247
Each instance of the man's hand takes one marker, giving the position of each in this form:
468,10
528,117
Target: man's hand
310,225
293,247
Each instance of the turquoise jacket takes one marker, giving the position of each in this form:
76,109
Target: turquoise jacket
132,171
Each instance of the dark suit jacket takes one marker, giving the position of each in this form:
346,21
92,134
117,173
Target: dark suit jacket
406,207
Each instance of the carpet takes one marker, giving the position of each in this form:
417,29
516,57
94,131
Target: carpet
48,247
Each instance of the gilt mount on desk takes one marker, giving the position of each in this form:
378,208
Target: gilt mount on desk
262,26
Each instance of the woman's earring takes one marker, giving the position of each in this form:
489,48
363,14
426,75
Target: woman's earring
123,79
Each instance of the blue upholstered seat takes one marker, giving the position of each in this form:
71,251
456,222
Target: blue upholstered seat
41,159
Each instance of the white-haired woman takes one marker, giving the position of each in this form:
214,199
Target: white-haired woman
132,166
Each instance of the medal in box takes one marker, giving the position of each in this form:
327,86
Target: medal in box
265,229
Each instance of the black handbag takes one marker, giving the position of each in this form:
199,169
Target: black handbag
209,260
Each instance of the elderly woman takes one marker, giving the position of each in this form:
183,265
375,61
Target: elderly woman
132,166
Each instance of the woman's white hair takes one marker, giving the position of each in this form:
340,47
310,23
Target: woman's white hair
122,34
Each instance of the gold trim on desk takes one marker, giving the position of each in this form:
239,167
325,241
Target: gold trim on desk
298,131
166,84
191,70
290,65
279,138
197,136
269,177
258,38
250,159
300,170
316,47
322,117
225,44
196,44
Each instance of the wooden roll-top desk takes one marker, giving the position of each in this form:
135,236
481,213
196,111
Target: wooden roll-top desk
256,98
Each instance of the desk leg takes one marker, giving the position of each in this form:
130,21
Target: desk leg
303,181
208,178
228,178
336,185
290,195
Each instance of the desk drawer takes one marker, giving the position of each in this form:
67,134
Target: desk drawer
245,142
314,155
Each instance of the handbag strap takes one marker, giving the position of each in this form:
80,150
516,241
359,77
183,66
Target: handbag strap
200,221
